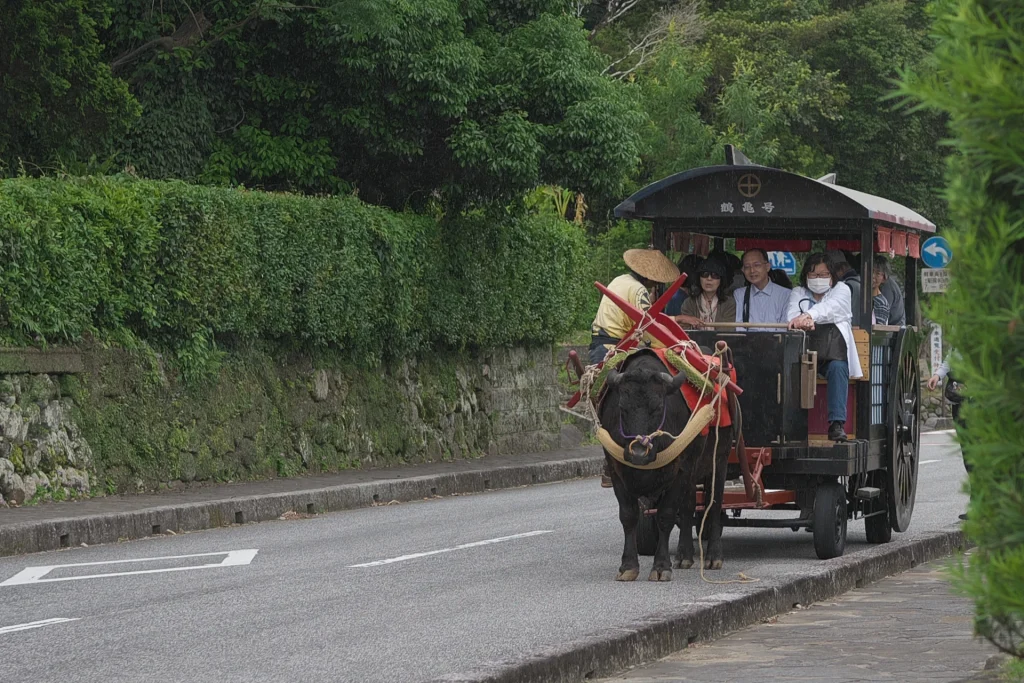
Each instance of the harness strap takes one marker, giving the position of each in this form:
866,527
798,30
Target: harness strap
698,422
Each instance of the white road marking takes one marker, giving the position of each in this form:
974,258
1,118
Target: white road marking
234,558
925,462
414,556
33,624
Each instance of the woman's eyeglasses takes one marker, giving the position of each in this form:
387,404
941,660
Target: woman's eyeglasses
711,276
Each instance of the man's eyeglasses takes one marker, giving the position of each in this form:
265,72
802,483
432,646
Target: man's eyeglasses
754,266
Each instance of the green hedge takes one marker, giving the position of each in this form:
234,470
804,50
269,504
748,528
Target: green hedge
980,86
180,266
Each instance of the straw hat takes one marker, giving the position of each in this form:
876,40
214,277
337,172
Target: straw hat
651,264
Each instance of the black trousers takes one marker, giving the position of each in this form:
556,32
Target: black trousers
959,424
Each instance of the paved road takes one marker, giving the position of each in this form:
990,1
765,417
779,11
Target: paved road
300,610
908,628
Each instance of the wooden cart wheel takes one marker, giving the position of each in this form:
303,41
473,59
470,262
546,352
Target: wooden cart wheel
903,448
829,520
646,534
878,527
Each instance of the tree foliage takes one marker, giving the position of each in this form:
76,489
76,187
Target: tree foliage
798,84
59,101
406,102
458,103
980,85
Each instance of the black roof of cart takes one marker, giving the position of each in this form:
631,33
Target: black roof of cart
742,196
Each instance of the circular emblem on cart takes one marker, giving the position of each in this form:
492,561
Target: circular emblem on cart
749,185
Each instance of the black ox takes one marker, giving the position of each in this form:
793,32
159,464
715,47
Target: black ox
642,398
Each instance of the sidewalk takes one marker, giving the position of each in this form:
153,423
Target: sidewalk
108,519
908,627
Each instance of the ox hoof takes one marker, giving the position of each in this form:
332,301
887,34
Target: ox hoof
662,575
684,564
712,564
627,575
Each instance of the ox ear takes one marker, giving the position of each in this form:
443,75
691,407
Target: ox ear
671,383
614,378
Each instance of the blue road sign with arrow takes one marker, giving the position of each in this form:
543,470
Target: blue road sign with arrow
936,252
783,260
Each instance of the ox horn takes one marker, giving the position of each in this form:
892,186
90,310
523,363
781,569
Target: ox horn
672,383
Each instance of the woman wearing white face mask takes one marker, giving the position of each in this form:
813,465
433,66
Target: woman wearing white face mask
823,307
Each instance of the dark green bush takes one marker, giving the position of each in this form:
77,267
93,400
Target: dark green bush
980,85
180,266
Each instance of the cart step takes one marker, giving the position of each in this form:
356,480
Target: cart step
868,492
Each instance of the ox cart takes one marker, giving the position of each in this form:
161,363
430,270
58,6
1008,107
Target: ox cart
790,464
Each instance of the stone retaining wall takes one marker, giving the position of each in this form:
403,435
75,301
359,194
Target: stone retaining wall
41,448
110,421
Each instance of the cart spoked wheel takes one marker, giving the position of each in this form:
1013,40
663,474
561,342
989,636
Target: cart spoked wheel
904,444
829,520
646,533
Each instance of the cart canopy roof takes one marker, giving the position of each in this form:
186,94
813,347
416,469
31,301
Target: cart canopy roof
741,197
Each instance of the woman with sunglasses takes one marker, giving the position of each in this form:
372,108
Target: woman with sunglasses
708,302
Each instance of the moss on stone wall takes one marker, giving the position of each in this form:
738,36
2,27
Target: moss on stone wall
270,412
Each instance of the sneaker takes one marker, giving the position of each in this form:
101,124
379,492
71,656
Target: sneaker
835,431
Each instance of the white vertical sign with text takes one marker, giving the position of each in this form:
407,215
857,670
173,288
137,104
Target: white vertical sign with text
936,344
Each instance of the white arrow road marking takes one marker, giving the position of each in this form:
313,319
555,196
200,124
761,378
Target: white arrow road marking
33,624
414,556
29,575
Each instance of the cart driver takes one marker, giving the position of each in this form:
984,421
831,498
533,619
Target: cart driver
646,267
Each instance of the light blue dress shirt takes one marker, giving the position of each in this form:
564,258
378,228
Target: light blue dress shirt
767,305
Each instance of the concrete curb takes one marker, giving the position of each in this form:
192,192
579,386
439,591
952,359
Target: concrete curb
610,651
32,537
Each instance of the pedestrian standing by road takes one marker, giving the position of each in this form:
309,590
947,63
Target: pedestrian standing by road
952,391
953,395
